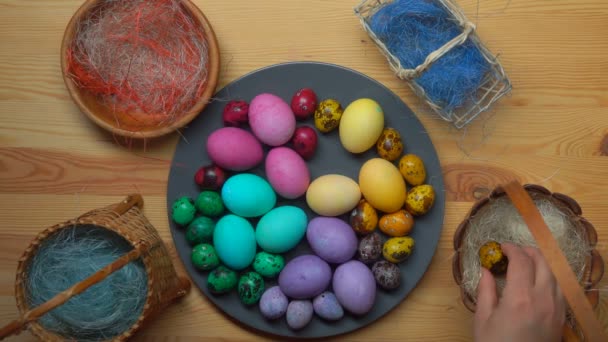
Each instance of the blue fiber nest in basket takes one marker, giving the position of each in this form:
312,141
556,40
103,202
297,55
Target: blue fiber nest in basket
411,29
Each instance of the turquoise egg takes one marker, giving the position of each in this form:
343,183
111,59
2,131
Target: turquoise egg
248,195
281,229
234,241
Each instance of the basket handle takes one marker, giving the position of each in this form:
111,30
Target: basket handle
583,312
16,326
133,200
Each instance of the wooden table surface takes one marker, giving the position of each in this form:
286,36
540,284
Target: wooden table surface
552,130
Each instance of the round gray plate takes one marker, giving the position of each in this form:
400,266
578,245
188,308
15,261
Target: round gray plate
328,81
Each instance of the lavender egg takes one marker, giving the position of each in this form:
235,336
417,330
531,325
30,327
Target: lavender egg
299,314
332,239
355,287
305,277
326,306
273,303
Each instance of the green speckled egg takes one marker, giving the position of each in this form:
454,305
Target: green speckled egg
251,288
183,211
221,280
209,203
204,257
200,230
268,265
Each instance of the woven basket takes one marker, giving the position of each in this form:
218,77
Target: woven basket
594,265
494,85
127,220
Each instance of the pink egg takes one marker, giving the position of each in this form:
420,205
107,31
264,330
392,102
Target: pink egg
234,149
271,119
287,172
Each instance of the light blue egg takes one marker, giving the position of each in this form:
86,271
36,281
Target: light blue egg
234,241
281,229
248,195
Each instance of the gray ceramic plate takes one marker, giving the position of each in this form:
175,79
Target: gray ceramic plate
328,81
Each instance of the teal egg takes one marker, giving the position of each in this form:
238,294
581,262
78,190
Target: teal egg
248,195
183,211
251,287
221,280
200,230
209,203
268,265
234,241
204,257
281,229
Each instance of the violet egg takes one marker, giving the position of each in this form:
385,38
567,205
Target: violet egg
332,239
326,306
273,303
287,172
234,149
305,277
271,119
299,314
355,287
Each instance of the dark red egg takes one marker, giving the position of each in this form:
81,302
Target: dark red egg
304,103
210,177
236,113
305,141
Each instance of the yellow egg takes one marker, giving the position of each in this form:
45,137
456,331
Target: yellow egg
361,125
332,195
420,199
382,185
397,249
412,169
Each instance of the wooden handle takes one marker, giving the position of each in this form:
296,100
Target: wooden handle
580,306
17,326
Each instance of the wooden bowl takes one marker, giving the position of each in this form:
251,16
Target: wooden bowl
594,264
130,126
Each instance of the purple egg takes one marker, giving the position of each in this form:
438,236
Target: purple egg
305,277
299,314
326,306
355,287
332,239
273,303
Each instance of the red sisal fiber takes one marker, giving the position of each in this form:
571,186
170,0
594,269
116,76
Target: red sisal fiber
140,56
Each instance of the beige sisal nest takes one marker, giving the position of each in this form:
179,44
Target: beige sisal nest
495,218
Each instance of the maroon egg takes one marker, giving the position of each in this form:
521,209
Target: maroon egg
236,113
210,177
305,141
304,103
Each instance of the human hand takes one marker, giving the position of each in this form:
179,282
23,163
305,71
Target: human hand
532,307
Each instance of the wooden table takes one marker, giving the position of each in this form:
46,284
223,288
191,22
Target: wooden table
553,130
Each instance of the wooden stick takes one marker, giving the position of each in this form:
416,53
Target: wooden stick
32,315
580,306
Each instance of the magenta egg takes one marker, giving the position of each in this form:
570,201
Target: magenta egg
234,149
271,119
287,172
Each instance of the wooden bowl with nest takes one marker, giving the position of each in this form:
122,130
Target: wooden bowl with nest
495,218
140,68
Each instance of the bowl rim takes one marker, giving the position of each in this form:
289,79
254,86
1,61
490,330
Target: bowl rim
211,82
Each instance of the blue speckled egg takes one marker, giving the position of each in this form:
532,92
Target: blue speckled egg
281,229
326,306
273,303
234,241
299,314
248,195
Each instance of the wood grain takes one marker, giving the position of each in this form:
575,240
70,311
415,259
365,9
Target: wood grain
552,130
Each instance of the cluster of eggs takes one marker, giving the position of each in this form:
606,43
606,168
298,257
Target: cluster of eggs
354,250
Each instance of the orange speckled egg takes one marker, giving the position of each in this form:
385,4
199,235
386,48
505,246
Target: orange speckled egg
364,218
399,223
412,169
382,185
389,145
